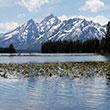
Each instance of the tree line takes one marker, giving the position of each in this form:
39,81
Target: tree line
10,49
88,46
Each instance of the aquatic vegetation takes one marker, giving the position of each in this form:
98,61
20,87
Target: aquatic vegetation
67,69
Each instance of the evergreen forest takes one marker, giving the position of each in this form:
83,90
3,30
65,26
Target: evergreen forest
10,49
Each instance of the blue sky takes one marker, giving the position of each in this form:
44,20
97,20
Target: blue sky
17,12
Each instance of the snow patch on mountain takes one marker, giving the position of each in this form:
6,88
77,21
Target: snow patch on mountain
32,35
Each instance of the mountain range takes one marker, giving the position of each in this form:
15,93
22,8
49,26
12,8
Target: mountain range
31,35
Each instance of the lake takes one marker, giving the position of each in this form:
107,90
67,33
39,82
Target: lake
42,58
55,93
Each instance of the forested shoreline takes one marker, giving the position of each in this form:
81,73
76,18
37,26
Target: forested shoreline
89,46
9,49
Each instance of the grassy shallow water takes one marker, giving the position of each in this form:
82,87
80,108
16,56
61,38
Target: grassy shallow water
55,86
69,69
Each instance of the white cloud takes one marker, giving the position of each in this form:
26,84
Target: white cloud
22,15
33,5
100,19
97,19
93,6
63,17
8,26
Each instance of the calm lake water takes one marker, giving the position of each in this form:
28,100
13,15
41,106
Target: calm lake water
54,93
41,58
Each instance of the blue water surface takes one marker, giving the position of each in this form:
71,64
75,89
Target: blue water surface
54,93
42,58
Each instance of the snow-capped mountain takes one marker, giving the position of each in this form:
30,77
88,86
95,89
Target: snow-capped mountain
48,23
22,37
31,35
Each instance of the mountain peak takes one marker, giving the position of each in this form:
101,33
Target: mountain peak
49,17
31,21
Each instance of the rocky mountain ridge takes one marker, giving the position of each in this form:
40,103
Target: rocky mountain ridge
31,35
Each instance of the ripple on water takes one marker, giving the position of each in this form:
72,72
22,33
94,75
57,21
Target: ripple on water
54,93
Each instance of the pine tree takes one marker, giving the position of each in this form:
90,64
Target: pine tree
105,43
11,49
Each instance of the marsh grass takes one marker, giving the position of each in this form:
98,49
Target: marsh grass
74,70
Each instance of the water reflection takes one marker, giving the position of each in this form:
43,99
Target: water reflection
54,93
108,82
54,58
107,58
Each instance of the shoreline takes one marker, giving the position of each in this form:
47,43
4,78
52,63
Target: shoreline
54,54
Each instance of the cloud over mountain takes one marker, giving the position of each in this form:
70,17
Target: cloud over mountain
93,6
33,5
101,19
8,26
